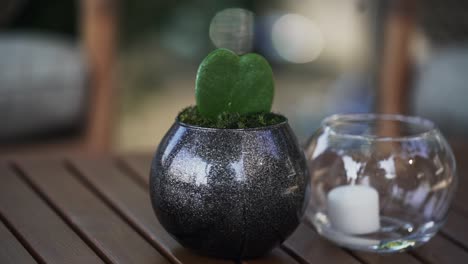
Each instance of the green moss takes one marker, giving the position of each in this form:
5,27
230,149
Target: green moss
192,116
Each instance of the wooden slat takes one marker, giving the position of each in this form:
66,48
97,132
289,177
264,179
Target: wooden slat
439,250
277,256
386,259
11,250
139,164
306,244
132,201
73,144
48,236
457,228
98,223
460,202
461,197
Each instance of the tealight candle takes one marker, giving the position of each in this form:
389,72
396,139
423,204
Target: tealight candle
354,209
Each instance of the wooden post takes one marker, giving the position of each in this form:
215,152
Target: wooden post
395,68
99,35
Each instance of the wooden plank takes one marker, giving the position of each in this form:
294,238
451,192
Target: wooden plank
461,198
132,201
95,221
277,256
456,228
11,250
439,250
460,202
72,144
387,258
138,165
43,231
307,245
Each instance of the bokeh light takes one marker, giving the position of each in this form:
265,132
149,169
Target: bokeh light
297,39
233,28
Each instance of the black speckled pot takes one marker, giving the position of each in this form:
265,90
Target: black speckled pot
230,193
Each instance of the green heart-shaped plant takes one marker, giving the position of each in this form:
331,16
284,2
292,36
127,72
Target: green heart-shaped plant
228,83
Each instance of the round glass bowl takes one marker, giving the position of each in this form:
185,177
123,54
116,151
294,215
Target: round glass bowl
379,183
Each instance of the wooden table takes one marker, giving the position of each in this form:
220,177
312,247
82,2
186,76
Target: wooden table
97,209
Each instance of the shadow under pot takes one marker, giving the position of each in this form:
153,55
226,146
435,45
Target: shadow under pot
229,193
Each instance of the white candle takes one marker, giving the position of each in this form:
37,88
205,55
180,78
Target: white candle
354,209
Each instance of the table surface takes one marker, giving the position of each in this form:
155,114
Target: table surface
97,210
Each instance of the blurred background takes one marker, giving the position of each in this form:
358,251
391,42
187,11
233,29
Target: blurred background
108,75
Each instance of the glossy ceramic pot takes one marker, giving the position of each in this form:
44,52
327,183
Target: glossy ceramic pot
230,193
